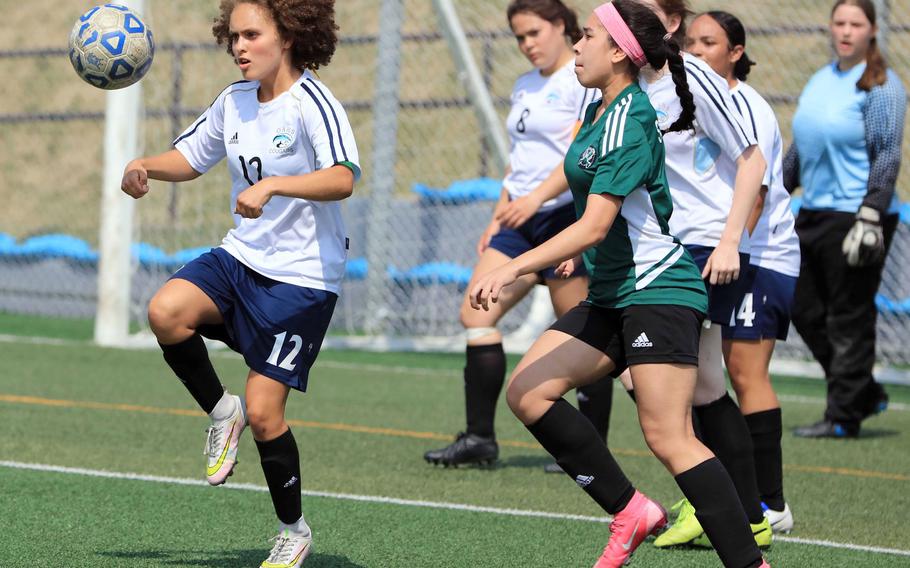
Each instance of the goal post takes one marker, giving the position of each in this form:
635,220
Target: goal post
122,127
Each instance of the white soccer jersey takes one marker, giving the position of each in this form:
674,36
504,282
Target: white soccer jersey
775,245
541,123
302,130
701,163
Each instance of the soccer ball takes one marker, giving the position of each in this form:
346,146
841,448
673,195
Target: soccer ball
111,47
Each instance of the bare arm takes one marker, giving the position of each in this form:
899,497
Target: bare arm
517,212
723,264
169,166
600,212
331,184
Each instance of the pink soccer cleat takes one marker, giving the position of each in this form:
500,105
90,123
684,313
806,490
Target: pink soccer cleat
221,443
630,527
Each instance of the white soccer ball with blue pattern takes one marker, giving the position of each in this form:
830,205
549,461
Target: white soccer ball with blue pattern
111,47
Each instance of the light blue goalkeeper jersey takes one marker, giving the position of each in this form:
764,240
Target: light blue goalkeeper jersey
836,128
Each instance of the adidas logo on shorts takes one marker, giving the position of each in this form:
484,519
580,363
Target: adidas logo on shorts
234,139
584,480
642,341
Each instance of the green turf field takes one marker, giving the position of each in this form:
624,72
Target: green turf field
362,429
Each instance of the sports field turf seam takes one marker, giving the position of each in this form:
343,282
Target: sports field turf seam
356,428
404,502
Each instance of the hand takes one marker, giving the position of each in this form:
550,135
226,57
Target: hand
864,244
722,265
251,201
488,286
135,182
567,267
487,235
518,211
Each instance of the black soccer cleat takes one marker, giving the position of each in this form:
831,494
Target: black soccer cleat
828,429
467,449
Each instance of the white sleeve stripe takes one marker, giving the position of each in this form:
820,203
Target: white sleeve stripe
191,132
622,124
721,106
608,132
344,152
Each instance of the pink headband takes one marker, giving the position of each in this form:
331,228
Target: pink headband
620,33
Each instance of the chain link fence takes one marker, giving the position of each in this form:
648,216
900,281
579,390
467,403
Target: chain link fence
429,171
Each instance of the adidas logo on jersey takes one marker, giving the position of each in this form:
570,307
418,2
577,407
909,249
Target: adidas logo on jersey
642,341
234,139
584,480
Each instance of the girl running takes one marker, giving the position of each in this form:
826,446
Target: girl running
269,290
645,304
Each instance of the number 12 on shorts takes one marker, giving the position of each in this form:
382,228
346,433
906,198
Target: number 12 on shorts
286,363
745,313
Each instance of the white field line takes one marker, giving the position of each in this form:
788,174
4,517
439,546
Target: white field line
405,502
381,369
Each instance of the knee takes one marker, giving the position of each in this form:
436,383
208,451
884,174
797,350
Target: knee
663,444
518,399
265,425
163,316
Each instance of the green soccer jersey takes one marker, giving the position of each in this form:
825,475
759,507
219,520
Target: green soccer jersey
639,262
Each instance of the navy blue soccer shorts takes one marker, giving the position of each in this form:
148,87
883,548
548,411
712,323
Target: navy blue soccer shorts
764,311
277,327
541,227
723,299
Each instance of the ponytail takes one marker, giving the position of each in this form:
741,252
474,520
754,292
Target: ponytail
875,73
660,49
686,100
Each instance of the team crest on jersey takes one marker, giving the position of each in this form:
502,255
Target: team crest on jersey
586,160
663,118
552,98
283,141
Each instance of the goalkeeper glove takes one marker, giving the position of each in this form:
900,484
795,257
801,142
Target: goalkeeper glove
864,244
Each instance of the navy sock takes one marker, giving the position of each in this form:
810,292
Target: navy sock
766,428
573,442
709,489
484,375
190,362
724,431
281,466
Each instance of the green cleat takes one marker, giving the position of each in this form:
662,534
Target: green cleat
761,531
684,530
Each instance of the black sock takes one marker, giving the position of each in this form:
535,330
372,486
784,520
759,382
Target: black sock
595,402
766,428
281,466
709,489
484,374
724,431
190,362
572,441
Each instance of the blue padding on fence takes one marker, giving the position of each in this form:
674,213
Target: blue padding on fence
149,255
432,273
463,191
57,245
7,244
904,212
186,255
886,305
356,269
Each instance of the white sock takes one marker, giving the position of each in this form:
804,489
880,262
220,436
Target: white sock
300,527
225,408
